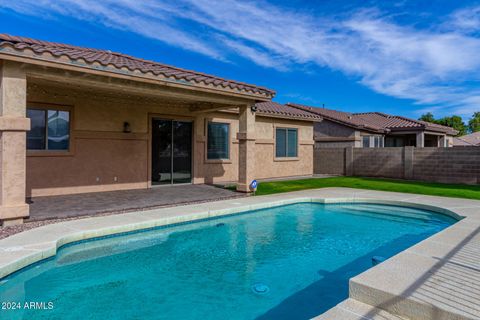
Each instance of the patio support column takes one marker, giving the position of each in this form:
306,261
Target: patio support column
198,149
246,148
442,141
13,127
420,140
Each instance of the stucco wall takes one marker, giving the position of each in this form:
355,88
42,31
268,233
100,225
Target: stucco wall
104,158
327,129
267,165
328,134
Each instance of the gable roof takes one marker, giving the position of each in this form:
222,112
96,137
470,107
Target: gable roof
472,139
275,109
376,121
397,123
107,60
344,118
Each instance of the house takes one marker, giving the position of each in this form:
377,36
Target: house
469,140
77,120
375,129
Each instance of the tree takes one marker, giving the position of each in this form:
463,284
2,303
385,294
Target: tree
455,122
428,117
474,123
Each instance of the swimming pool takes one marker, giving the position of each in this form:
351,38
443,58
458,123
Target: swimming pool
288,262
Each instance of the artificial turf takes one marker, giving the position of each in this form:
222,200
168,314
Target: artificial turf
417,187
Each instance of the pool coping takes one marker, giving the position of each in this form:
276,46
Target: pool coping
418,283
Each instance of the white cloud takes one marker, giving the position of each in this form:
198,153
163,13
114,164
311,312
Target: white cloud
465,20
124,15
429,66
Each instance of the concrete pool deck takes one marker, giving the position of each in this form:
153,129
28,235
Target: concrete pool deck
438,278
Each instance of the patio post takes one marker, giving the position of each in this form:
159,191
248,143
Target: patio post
246,149
420,140
442,141
13,128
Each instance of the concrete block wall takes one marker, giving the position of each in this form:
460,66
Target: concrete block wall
329,161
447,165
378,162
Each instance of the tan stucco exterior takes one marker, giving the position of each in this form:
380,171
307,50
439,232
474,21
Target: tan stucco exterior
104,158
13,126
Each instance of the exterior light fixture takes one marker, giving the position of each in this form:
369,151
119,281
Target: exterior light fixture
126,127
253,108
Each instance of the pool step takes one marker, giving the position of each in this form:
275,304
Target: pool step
351,309
398,214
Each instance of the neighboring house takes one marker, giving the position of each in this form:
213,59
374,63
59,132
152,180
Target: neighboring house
79,120
468,140
375,129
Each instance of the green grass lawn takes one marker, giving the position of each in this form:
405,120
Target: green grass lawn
429,188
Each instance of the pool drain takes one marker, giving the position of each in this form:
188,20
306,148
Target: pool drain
221,224
260,288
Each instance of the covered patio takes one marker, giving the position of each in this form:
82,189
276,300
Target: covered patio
78,120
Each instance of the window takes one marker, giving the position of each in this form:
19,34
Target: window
366,141
50,129
286,142
378,142
218,136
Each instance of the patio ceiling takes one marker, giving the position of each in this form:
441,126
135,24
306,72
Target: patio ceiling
76,83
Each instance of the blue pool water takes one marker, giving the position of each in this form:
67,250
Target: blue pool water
289,262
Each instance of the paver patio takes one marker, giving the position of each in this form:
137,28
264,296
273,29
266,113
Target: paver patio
55,207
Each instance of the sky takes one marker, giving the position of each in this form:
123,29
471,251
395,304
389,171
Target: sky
404,57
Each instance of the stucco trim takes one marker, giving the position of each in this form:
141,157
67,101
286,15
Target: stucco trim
306,142
110,135
14,124
264,141
286,159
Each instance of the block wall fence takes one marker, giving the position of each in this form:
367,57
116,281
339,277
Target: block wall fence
447,165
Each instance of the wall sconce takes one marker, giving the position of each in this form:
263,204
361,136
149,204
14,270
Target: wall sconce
253,108
126,127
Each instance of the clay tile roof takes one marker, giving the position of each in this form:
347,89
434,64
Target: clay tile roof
459,142
394,123
345,118
116,60
271,108
472,139
376,121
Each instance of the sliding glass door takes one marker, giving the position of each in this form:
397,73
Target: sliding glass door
171,151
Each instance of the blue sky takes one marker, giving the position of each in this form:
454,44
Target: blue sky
403,57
